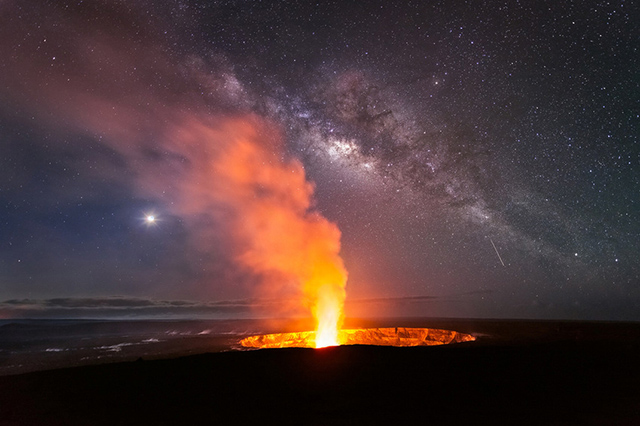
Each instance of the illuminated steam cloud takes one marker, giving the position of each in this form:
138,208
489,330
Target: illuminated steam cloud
181,125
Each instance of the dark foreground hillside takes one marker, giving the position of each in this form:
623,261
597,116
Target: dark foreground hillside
561,381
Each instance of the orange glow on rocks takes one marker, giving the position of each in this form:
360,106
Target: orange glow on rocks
399,336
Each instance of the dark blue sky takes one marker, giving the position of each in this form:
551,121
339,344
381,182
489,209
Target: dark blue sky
480,159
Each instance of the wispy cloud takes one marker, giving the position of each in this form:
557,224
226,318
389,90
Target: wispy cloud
100,307
419,299
394,300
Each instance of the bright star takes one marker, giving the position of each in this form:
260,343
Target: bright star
151,218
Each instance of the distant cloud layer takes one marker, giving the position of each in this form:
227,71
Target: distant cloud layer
114,307
131,307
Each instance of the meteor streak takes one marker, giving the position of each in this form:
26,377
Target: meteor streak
494,247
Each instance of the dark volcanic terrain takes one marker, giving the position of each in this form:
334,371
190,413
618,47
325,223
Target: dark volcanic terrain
583,374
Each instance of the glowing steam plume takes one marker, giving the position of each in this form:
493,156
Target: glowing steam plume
285,240
181,126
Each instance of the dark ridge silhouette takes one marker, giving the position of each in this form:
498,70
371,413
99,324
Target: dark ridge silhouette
585,374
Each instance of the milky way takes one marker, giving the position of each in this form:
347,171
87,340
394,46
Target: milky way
479,159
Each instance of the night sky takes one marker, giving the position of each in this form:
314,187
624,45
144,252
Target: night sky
480,158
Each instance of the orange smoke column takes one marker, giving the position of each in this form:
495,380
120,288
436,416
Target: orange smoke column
189,143
285,241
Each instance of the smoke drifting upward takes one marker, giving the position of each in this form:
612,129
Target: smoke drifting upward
186,135
285,240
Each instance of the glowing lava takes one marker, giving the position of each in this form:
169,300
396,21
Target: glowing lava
399,336
328,314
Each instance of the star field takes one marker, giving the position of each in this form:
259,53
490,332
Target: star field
481,156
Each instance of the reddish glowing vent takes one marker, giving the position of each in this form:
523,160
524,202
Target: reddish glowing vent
399,336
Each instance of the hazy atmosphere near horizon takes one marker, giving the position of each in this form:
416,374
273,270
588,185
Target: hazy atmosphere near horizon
466,158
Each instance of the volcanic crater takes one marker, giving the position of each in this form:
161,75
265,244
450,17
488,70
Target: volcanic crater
390,336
